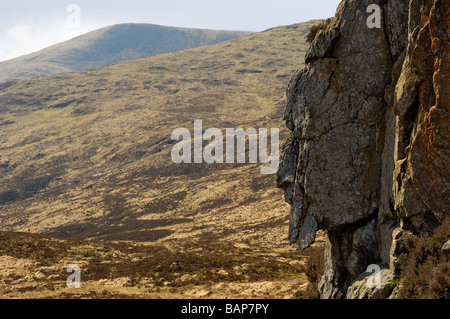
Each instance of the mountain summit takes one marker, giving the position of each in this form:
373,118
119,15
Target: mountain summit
111,44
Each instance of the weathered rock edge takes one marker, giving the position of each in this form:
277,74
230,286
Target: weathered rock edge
367,157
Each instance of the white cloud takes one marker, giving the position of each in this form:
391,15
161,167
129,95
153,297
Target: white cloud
27,36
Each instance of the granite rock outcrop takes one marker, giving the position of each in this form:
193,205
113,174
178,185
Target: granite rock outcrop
367,156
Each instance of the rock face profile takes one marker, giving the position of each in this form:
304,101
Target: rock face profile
367,157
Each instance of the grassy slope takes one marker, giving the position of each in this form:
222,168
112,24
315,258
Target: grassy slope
111,45
34,266
87,155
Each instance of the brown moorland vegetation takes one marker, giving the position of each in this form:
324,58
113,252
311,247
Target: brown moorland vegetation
85,157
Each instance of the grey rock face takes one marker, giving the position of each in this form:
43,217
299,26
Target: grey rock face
372,286
354,160
446,247
331,165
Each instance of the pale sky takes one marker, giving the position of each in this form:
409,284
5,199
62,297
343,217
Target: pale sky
29,26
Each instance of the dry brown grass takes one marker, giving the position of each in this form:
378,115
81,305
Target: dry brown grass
87,156
176,269
102,156
425,269
314,269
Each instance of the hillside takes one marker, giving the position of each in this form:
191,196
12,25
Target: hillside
87,156
108,45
